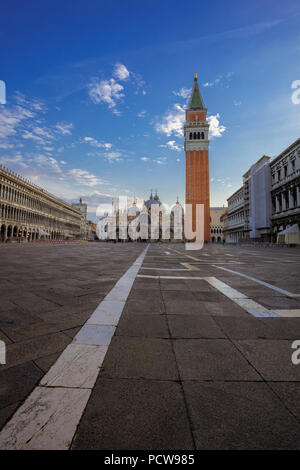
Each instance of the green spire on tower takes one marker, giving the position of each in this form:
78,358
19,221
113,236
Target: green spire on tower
196,101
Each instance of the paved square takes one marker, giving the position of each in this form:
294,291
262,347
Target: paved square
177,352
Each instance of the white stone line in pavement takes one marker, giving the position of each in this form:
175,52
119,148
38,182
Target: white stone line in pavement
108,312
146,276
97,335
167,252
70,370
263,283
190,267
164,269
288,313
252,307
242,300
49,417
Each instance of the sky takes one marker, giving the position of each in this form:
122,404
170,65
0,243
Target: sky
96,92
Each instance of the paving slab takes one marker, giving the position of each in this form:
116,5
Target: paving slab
99,335
31,349
17,382
271,358
239,415
255,328
197,307
156,306
212,359
134,415
288,393
46,421
78,367
193,326
139,325
148,358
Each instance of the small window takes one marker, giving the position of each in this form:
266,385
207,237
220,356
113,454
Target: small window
202,135
285,171
191,135
198,136
195,135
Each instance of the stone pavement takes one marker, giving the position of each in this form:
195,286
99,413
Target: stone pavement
188,366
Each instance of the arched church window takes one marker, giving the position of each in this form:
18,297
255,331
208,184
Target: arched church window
191,135
202,135
195,135
198,136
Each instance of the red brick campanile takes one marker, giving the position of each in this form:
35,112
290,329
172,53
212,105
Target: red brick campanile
196,157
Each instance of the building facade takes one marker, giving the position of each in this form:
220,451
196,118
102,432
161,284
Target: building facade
217,223
28,212
257,197
235,221
197,160
269,200
285,189
86,227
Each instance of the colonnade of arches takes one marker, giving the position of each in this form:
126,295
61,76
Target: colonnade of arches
16,232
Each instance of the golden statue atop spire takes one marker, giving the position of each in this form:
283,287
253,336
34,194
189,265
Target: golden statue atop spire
196,76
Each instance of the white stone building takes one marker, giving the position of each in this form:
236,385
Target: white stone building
28,212
285,189
217,223
257,195
235,220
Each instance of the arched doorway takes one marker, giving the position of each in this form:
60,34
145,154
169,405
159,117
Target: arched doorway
3,231
213,239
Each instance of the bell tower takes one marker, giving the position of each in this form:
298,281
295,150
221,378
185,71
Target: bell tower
196,145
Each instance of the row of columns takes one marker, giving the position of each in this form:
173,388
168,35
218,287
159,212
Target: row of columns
292,202
14,232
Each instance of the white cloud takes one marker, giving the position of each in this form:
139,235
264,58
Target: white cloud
113,156
221,78
121,72
106,91
64,128
63,162
29,135
177,159
17,159
183,92
41,131
237,103
161,160
142,113
172,122
11,119
171,144
144,159
84,177
96,143
6,146
215,128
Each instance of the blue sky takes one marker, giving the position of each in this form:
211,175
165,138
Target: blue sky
96,90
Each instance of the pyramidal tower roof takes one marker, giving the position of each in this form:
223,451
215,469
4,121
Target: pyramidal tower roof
196,101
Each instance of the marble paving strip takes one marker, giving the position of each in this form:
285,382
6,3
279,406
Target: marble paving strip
292,313
49,417
263,283
252,307
47,420
165,269
190,267
70,370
